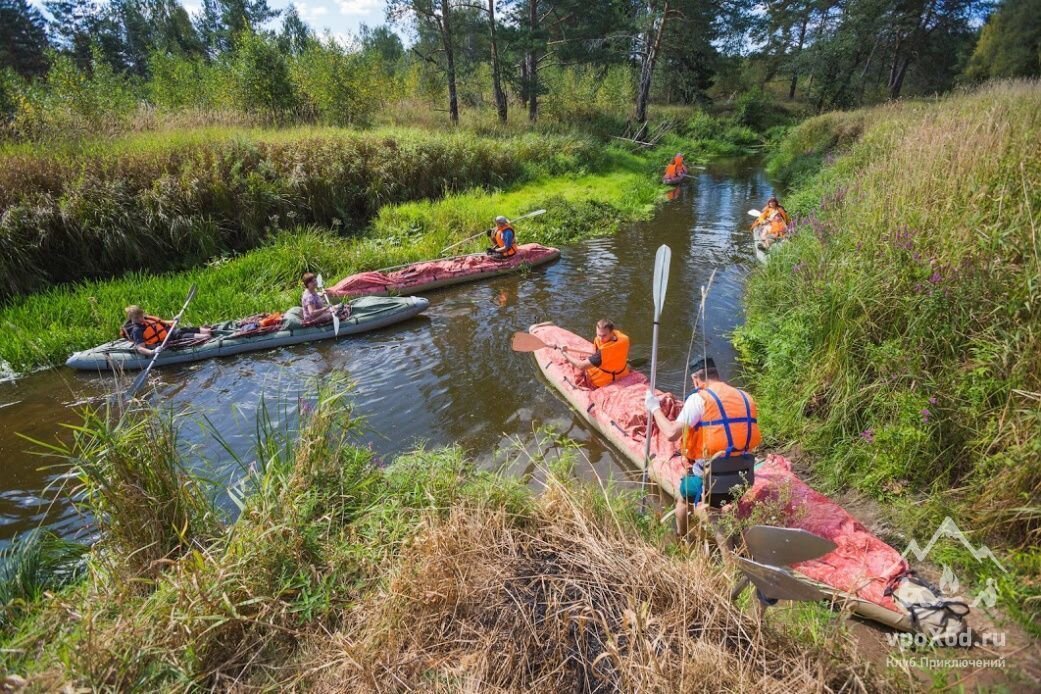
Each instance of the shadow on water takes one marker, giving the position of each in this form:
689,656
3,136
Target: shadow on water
448,377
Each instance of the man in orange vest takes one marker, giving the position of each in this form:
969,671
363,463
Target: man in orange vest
720,429
610,359
504,239
148,332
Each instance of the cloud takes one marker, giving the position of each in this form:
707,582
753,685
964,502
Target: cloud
359,7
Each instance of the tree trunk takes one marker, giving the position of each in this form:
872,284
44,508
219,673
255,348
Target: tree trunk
898,82
446,40
798,54
653,44
500,95
531,62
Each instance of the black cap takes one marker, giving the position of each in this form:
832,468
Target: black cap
700,364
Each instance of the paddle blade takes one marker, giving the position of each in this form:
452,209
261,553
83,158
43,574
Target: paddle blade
526,342
536,213
785,546
319,280
754,213
191,294
661,277
336,325
778,584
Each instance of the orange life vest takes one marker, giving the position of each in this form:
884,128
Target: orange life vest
729,424
270,319
154,332
614,360
670,171
499,240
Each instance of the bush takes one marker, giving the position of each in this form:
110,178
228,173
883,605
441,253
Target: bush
261,76
337,88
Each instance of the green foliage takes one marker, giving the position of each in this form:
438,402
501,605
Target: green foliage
34,563
1010,43
182,83
165,204
261,76
336,87
803,150
896,337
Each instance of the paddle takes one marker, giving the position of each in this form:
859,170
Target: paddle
777,584
334,312
661,281
754,213
526,342
536,213
141,377
776,546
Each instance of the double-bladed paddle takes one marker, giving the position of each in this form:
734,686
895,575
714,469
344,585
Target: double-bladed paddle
334,312
754,213
143,376
661,281
536,213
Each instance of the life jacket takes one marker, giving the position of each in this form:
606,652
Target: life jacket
614,360
270,319
670,171
498,238
728,427
729,424
154,332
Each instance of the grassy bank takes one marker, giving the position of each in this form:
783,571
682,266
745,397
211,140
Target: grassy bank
429,573
172,200
897,339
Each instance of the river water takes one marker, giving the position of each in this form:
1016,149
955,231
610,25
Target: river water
447,377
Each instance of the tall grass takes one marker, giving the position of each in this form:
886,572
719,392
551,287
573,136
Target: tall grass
94,211
898,337
430,573
35,562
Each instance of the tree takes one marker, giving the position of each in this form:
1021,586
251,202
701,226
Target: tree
23,38
80,25
220,21
295,36
500,95
438,16
381,41
262,75
647,50
1009,43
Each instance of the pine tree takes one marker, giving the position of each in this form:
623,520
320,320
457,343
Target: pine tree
23,38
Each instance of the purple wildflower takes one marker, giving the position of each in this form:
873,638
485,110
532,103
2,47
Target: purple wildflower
925,414
936,278
868,435
932,400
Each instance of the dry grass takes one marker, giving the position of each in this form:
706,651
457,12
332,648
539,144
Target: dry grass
568,599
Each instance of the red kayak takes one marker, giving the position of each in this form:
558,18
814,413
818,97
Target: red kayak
433,274
673,180
863,572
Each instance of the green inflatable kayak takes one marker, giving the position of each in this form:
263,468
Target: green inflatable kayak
367,313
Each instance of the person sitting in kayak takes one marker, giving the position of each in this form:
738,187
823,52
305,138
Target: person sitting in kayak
148,332
676,168
504,239
314,304
720,429
610,359
773,221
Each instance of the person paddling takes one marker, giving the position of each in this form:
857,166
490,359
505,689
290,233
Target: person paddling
504,239
148,332
610,358
720,429
676,168
774,221
314,304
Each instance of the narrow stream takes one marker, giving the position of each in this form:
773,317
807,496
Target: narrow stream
448,377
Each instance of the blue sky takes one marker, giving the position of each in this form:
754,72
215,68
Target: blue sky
340,17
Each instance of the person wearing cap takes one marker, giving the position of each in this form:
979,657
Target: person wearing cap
719,429
773,221
504,240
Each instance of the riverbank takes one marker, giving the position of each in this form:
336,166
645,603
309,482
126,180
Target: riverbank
896,337
584,195
429,572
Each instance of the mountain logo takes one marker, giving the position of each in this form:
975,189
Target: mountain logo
949,529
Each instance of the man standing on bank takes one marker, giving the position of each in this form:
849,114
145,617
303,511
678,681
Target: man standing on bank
719,427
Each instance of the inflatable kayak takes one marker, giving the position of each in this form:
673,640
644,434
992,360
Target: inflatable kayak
673,180
863,572
424,276
762,246
234,337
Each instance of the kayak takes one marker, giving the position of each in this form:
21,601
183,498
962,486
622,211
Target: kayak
673,180
234,337
427,275
762,248
862,572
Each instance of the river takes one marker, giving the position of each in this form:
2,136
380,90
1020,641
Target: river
447,377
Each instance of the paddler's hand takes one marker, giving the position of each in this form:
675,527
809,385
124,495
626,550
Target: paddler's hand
652,403
562,348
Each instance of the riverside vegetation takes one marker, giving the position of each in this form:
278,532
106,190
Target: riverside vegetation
897,337
369,200
340,574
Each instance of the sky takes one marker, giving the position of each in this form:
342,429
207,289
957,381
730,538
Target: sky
340,17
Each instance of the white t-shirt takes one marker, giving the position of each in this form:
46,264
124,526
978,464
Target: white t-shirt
693,410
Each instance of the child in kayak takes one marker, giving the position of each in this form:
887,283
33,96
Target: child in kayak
316,307
148,332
